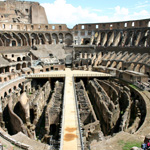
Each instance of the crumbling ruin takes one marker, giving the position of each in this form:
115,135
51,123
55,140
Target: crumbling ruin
33,106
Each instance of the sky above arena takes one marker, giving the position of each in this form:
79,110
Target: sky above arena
72,12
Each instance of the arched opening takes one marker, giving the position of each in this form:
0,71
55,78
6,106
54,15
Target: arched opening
131,67
148,73
86,41
24,65
17,40
42,38
76,65
55,38
18,59
47,69
21,88
23,38
18,67
32,116
110,39
5,94
53,129
143,38
102,37
32,41
9,77
60,37
29,64
47,35
142,69
14,87
9,91
13,43
24,58
130,39
28,39
19,111
1,42
6,118
68,39
137,68
7,69
35,38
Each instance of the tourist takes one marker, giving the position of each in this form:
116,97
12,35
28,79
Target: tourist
144,146
148,145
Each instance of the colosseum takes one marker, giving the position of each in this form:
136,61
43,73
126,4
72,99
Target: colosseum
85,88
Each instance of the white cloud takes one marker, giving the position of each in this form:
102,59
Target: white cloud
97,10
62,12
141,14
121,11
142,4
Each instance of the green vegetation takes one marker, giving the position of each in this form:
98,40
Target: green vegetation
30,93
4,145
134,87
129,144
121,112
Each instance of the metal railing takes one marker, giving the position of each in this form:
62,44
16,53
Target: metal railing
78,116
92,75
63,118
45,75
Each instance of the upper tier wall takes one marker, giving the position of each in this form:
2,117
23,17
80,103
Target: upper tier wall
32,27
114,25
5,26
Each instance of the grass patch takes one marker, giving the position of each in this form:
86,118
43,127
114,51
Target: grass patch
128,145
4,145
134,87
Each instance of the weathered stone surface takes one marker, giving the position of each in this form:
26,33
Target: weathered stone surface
147,138
136,148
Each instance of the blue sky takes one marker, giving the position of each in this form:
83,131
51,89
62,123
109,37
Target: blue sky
72,12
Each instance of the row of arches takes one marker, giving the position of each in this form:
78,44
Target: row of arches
18,67
30,39
120,61
23,65
18,86
122,38
137,67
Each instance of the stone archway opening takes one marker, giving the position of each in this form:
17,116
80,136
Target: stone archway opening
68,39
86,41
18,67
13,43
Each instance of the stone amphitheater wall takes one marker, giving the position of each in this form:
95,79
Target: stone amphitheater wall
114,25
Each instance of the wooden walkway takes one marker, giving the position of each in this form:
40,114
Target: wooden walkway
71,138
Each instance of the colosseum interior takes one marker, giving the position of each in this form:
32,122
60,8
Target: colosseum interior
85,88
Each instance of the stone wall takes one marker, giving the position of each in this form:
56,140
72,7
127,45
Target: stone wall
115,106
22,12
